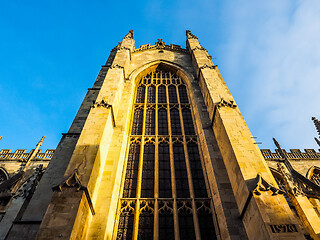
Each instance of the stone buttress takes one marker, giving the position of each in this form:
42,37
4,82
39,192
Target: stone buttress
78,195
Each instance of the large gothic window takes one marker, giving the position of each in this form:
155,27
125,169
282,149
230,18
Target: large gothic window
164,192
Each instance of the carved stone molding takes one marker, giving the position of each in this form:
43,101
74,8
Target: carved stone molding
198,48
106,105
116,47
207,66
119,47
73,181
160,44
116,66
130,35
29,186
226,103
190,35
102,103
293,187
283,228
222,103
263,185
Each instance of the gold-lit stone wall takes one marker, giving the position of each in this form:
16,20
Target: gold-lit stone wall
78,195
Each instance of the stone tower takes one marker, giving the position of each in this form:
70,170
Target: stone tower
159,149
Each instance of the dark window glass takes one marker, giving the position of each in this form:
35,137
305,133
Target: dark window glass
187,121
172,94
164,171
175,122
145,231
163,121
147,184
137,122
186,227
152,94
150,122
206,226
162,95
166,226
130,183
199,185
151,98
205,221
125,227
183,94
140,94
182,186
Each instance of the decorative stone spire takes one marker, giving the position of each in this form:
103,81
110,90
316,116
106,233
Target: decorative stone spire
316,124
130,35
190,35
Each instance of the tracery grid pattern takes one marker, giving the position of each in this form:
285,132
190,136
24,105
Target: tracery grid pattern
164,191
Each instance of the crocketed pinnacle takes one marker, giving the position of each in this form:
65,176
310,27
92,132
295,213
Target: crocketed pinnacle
316,124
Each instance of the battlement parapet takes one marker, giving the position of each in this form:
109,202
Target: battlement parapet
160,45
294,155
22,155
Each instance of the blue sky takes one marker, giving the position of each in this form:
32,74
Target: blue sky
51,51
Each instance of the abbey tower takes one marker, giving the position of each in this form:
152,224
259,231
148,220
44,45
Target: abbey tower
160,150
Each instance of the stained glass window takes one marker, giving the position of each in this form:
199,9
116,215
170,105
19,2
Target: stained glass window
164,189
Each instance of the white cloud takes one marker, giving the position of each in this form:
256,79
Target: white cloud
276,54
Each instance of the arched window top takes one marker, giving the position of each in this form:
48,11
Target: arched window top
164,168
160,77
313,174
162,69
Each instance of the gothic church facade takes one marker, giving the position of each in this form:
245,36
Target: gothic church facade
159,150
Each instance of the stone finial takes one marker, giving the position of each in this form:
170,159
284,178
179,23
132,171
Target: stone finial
190,35
160,44
130,35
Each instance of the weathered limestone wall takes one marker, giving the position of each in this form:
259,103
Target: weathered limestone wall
87,167
242,157
88,159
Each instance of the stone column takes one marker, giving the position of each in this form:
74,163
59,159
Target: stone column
246,167
72,204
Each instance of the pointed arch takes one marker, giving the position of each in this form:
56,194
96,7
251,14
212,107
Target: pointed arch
313,174
169,168
146,68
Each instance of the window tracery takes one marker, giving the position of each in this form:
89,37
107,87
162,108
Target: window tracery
164,192
315,175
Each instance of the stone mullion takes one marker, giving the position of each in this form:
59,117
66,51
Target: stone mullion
194,209
173,178
139,179
156,171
